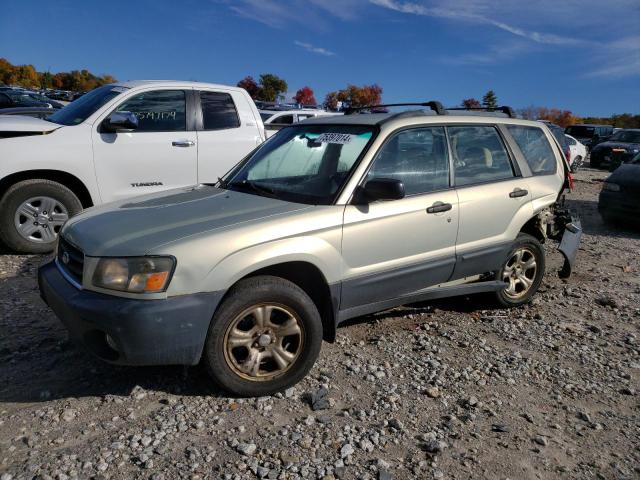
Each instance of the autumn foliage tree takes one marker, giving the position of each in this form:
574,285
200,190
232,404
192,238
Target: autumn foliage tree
471,103
305,96
354,96
27,76
250,85
564,118
268,90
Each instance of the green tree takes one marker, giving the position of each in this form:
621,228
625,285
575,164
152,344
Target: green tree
271,87
490,100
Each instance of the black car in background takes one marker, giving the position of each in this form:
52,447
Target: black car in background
12,99
589,134
620,196
36,112
620,148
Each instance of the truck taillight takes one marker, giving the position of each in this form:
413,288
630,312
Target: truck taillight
567,154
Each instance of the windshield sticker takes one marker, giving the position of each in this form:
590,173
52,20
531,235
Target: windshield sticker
337,138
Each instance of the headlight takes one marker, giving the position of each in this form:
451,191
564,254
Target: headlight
135,274
611,187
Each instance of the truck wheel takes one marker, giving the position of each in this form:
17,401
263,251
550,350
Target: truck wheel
32,213
523,271
265,336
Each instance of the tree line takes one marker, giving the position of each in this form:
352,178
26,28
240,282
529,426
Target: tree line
271,88
27,76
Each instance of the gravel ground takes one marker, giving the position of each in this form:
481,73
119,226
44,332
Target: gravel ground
452,389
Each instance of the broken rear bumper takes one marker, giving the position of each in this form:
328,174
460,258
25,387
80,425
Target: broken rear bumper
569,244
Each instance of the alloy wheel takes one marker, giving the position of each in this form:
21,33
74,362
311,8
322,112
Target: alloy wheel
520,272
264,341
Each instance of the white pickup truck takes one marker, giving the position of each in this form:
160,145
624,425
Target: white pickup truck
117,141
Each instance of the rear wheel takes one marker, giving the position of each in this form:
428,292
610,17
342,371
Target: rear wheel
522,272
32,213
265,337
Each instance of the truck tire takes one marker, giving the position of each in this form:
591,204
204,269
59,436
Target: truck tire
523,270
32,213
265,336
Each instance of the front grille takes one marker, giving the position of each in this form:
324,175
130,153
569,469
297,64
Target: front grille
70,260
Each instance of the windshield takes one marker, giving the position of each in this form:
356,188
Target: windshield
629,136
580,131
302,164
79,110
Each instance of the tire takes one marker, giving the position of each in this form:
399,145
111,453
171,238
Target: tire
533,250
34,196
577,163
238,316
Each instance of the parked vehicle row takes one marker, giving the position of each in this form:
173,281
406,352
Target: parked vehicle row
620,148
274,120
332,218
619,199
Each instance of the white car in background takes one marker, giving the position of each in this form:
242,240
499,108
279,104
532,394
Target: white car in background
578,152
274,120
115,142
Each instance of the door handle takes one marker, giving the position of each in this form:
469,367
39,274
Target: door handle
183,143
518,192
439,207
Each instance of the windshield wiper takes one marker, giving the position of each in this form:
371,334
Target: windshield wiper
255,187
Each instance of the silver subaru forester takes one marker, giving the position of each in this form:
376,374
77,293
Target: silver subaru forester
330,219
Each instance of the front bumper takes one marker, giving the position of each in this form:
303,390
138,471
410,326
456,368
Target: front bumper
126,331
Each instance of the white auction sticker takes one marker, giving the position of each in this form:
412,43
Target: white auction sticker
339,138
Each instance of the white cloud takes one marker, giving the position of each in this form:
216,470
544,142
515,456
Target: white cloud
471,15
618,59
310,48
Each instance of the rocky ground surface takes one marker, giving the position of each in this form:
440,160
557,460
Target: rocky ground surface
452,389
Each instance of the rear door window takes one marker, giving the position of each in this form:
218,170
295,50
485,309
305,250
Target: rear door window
218,111
479,155
535,147
158,111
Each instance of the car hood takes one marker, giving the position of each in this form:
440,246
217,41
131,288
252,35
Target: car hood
136,226
627,175
19,123
617,145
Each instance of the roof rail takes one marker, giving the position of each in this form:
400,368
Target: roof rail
433,105
508,111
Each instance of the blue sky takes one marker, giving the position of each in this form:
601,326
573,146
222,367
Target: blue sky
582,55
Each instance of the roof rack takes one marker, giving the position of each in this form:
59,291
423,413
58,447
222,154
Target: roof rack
433,105
508,111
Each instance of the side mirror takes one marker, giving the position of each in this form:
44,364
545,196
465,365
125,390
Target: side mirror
120,121
381,189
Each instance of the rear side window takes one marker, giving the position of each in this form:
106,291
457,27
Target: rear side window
218,111
535,147
158,111
479,155
417,157
283,120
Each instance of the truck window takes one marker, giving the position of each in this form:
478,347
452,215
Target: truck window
158,111
218,111
536,149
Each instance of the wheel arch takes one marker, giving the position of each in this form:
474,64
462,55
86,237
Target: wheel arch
312,281
70,181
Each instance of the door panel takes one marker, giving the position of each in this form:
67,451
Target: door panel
493,202
229,135
160,154
396,247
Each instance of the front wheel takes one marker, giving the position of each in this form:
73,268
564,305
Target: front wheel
522,272
265,336
32,213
